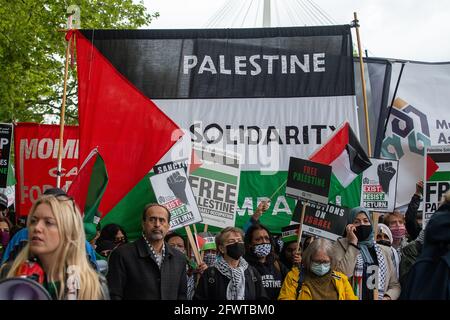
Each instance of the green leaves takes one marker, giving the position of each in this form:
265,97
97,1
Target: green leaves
32,53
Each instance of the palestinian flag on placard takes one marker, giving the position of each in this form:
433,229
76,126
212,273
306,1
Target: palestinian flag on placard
206,241
343,152
289,233
438,167
267,94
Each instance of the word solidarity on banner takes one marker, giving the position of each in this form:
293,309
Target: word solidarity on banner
322,220
172,190
36,151
437,178
379,185
308,180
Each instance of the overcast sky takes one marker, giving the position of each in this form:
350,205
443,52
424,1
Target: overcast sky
404,29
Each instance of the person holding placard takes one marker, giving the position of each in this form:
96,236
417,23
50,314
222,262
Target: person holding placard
231,278
368,265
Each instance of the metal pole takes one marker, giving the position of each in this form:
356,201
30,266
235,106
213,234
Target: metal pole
266,14
363,82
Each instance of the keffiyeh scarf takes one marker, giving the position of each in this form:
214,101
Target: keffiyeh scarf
363,260
236,286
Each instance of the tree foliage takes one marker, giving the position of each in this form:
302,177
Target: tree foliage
32,52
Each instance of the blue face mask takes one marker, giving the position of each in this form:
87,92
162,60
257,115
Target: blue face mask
320,269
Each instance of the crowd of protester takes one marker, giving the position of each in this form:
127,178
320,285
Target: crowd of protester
397,259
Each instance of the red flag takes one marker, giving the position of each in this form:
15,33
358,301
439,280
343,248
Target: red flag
129,130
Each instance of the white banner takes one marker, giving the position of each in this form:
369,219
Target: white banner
379,184
264,132
419,119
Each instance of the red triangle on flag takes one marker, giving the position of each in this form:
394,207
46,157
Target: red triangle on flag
196,161
431,167
129,130
200,241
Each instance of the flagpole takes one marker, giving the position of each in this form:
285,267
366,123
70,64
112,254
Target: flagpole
193,245
62,116
300,231
363,82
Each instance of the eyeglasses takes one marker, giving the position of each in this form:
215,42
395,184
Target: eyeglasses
65,197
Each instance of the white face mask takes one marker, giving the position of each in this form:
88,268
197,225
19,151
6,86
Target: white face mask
320,269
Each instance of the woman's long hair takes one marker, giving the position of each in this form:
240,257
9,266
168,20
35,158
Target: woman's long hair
249,254
71,249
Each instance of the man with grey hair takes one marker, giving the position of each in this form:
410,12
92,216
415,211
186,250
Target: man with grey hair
148,269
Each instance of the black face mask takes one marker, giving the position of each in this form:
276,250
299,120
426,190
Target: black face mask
384,242
362,232
235,250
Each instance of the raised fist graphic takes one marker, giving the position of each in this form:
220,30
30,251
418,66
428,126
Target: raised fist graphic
177,184
385,174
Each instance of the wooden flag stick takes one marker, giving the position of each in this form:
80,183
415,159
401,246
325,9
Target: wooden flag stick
363,82
300,231
202,253
193,245
62,116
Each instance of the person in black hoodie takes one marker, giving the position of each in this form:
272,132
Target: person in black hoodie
429,277
260,253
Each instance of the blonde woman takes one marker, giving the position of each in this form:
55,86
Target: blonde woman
56,241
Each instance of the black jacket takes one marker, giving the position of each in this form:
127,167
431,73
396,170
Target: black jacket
133,273
213,285
429,277
412,226
272,274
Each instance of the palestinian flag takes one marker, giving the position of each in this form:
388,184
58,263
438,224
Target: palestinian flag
438,166
289,233
88,188
348,160
266,93
205,241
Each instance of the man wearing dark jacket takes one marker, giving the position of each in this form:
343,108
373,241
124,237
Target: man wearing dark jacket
148,268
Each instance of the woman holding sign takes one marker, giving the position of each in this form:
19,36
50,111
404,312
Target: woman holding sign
367,264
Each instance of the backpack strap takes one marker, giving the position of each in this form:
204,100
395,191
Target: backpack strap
301,279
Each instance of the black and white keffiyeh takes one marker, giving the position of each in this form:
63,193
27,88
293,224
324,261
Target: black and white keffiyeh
236,286
382,271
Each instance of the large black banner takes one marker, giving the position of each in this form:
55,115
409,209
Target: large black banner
224,63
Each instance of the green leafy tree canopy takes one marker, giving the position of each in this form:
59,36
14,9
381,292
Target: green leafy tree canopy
32,52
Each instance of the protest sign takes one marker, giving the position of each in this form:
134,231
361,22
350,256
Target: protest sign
322,220
308,180
173,191
214,180
36,159
437,178
379,184
5,149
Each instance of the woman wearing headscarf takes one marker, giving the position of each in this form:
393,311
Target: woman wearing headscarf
384,238
231,277
367,264
319,280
